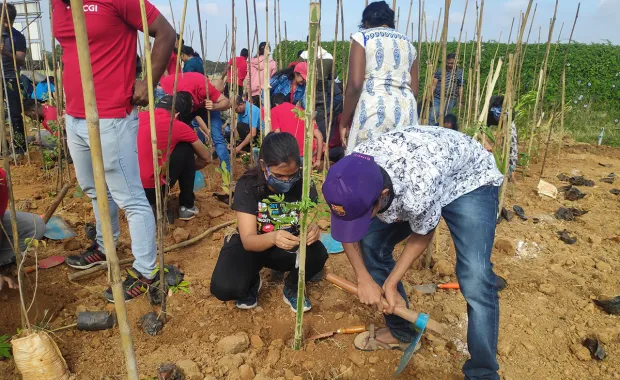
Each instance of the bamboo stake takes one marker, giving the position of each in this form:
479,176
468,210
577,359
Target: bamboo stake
29,68
275,27
344,67
19,87
333,83
420,7
233,92
92,119
313,34
247,23
536,70
570,39
282,63
444,48
508,101
465,71
286,39
522,56
173,22
453,80
393,5
398,19
543,72
409,19
266,86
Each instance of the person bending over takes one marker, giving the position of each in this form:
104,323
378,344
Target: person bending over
43,113
284,119
267,228
396,187
182,163
450,121
243,109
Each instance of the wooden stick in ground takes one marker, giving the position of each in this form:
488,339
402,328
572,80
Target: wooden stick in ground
570,39
506,123
92,119
194,240
266,86
233,92
444,54
313,46
398,19
543,72
478,57
333,85
408,19
282,62
453,79
343,66
173,22
420,7
524,53
247,23
29,68
286,39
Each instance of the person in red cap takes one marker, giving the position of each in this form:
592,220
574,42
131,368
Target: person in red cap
291,82
396,187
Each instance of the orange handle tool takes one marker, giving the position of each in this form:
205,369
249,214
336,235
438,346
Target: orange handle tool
449,285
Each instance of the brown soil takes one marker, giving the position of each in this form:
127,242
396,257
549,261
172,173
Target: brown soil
546,310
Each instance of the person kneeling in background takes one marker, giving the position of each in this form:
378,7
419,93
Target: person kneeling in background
184,145
273,244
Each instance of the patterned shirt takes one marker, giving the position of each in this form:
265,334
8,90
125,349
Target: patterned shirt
430,167
452,84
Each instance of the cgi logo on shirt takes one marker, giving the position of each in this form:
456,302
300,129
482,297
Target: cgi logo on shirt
91,8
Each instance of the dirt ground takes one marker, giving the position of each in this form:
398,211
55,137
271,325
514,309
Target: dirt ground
546,311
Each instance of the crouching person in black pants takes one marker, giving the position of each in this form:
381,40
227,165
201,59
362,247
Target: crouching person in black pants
184,145
267,221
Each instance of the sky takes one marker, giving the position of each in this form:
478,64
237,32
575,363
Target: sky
597,19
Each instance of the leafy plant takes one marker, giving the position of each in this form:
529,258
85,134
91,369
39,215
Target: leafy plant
5,347
183,286
225,177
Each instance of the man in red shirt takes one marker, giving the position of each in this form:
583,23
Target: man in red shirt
242,71
28,226
183,145
112,27
284,119
172,63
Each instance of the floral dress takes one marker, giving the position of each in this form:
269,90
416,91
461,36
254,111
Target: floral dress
387,102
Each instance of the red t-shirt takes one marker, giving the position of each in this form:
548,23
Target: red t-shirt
112,27
49,114
242,70
181,132
194,83
4,193
335,140
172,63
284,119
293,64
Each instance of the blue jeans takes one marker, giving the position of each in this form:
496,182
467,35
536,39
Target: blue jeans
122,176
221,148
471,219
433,118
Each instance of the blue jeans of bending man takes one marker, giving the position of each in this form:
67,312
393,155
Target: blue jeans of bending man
122,176
471,219
219,142
433,118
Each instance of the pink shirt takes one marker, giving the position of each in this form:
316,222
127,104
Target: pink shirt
258,74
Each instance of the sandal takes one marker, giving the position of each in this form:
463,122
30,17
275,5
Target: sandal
367,341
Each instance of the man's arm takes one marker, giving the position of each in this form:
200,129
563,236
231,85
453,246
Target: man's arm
319,147
160,57
246,141
415,80
222,104
368,291
228,66
435,82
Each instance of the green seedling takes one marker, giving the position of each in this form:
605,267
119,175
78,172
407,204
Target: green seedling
183,286
5,347
225,177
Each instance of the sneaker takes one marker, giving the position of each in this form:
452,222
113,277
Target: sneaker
251,300
290,298
134,285
188,213
93,256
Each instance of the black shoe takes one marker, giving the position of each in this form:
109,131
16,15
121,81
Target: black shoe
134,286
317,277
251,300
92,257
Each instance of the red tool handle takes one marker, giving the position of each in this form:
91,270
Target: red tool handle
403,312
30,269
449,285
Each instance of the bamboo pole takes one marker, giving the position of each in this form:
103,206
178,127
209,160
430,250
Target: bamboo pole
408,19
508,102
420,7
543,72
92,119
479,56
453,80
266,86
398,19
282,62
343,66
19,87
275,27
233,92
522,56
444,48
536,70
313,34
393,5
570,39
333,83
173,22
29,68
286,39
247,24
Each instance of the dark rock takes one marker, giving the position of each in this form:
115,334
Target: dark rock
151,324
574,194
169,372
580,181
507,214
95,320
91,231
569,214
563,177
611,306
615,191
609,179
566,238
605,165
596,349
520,212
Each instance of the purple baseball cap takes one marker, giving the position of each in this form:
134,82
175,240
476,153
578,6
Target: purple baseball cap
351,189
